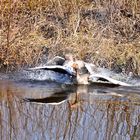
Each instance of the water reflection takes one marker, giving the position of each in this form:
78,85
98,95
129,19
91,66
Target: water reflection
83,112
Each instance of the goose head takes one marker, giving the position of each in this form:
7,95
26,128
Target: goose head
69,57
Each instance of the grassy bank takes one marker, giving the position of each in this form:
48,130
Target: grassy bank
104,32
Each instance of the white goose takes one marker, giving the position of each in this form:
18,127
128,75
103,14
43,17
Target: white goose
81,72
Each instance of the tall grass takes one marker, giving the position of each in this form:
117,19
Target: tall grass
103,32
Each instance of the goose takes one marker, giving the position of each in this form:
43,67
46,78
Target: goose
55,99
81,72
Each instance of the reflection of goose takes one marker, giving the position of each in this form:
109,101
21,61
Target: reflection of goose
55,99
53,96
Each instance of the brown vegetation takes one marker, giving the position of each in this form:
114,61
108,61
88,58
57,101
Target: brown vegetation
100,31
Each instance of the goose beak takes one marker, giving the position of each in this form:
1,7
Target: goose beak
75,66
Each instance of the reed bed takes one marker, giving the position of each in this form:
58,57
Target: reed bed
104,32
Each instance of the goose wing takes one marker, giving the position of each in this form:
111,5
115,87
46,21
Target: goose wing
102,75
91,68
56,68
96,77
56,61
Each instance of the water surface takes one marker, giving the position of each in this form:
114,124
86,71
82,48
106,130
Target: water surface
49,111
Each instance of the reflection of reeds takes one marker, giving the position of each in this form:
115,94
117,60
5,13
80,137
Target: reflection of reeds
94,118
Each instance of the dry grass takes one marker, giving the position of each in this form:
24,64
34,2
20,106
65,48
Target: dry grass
104,32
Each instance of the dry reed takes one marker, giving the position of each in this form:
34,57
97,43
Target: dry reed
104,32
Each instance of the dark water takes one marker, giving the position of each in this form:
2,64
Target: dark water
49,111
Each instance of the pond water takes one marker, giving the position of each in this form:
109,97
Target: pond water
50,111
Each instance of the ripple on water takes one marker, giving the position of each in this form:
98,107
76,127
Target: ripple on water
83,112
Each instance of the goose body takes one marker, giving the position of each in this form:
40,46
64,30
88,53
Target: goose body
80,72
